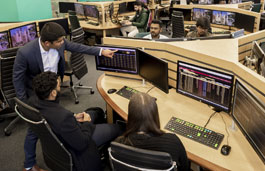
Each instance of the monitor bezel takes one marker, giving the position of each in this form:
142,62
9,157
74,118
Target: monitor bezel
250,93
119,71
9,32
166,70
202,100
8,39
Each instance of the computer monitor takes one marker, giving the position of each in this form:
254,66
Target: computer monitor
125,60
230,19
79,9
63,22
23,34
217,18
198,13
245,22
91,11
130,6
206,85
4,41
64,7
249,114
122,8
154,70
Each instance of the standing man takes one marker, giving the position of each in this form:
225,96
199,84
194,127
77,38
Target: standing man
202,28
137,23
155,30
43,54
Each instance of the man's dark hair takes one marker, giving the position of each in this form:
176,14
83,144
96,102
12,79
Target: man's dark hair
44,83
203,22
51,31
139,3
157,22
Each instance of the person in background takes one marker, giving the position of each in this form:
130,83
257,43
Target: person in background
202,28
155,30
143,130
79,132
137,23
44,54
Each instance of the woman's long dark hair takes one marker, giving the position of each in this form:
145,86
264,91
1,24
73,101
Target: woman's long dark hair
143,115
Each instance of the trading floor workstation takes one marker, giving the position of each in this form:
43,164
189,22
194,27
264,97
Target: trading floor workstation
201,87
205,88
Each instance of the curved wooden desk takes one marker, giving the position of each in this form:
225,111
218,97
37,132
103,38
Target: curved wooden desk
242,156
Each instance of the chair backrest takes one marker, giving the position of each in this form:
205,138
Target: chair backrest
55,155
177,24
128,158
74,22
7,58
77,60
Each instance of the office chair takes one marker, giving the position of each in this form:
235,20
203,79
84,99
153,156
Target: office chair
77,64
74,22
7,58
55,155
128,158
177,24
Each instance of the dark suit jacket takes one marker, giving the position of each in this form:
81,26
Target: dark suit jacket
28,64
75,136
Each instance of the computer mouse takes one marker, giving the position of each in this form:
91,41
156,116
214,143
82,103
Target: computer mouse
112,90
225,150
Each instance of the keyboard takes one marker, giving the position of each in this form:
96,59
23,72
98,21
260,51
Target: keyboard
93,23
195,132
127,92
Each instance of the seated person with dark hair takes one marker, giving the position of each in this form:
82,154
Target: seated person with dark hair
137,23
78,132
155,30
143,130
202,28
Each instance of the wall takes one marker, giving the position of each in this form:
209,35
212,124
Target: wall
24,10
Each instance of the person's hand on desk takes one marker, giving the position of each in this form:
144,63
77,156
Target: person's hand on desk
108,53
82,117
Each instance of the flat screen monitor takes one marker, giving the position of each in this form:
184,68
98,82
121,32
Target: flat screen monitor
198,13
130,6
206,85
154,70
63,22
64,7
217,18
91,11
125,60
79,9
4,41
122,8
23,34
249,114
204,2
245,22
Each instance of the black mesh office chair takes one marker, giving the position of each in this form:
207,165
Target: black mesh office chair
74,22
177,24
128,158
55,155
77,64
7,58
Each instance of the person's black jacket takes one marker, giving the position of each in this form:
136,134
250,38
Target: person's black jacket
76,137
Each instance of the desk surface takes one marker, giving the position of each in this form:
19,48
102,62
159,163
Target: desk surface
107,26
242,156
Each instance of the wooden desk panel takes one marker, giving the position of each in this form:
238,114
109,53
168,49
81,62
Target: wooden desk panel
242,156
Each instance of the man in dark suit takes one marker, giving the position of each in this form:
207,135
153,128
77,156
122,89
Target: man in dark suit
77,131
44,54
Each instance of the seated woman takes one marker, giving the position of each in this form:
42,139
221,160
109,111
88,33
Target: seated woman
143,130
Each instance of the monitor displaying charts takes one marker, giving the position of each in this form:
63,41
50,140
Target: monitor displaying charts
4,41
23,34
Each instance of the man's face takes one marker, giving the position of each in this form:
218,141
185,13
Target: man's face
137,7
57,43
155,30
201,31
